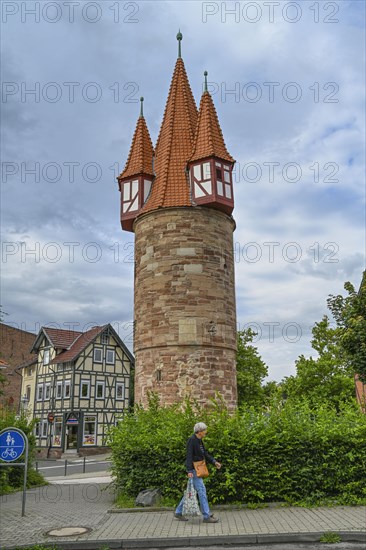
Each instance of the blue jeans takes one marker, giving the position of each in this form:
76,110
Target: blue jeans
202,496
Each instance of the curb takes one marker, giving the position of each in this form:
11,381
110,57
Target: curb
179,542
216,508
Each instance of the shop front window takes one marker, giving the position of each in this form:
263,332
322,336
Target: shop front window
89,432
57,431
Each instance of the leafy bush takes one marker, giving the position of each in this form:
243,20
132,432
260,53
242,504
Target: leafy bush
292,453
11,479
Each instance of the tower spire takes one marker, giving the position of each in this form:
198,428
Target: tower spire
174,145
205,88
209,141
179,38
141,107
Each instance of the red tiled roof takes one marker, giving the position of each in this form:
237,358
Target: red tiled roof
174,145
140,158
61,338
209,141
79,345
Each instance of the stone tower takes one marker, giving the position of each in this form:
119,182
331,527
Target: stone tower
178,201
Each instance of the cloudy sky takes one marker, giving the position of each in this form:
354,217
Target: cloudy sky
287,82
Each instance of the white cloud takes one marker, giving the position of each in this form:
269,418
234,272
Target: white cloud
125,60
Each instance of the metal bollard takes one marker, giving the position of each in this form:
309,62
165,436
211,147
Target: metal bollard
36,465
84,466
65,466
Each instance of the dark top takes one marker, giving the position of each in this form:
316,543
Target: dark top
196,451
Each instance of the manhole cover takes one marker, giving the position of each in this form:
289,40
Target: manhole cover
67,531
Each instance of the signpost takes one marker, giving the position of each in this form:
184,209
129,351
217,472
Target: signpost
13,442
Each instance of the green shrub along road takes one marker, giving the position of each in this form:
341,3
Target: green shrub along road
291,453
11,479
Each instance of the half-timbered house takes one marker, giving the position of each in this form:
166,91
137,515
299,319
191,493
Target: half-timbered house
81,387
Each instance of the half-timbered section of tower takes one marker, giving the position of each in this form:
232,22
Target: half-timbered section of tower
79,388
184,293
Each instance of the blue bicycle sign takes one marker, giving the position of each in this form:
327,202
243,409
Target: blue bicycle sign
12,445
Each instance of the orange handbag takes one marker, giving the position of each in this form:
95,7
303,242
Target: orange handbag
201,468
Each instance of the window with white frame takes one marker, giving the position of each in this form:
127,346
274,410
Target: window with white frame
100,390
46,356
47,390
57,431
84,389
36,429
89,430
111,356
67,389
105,338
44,429
59,390
39,392
28,392
120,390
98,355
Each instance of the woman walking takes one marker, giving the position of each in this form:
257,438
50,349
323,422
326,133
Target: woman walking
196,452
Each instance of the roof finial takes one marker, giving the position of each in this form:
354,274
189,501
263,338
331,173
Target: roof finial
142,107
179,38
205,73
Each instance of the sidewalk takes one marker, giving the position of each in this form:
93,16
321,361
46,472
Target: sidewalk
88,502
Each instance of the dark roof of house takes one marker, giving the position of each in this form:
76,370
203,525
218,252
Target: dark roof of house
60,338
73,343
81,342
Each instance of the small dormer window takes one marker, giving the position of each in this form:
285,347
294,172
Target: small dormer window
134,194
147,188
211,184
130,198
46,356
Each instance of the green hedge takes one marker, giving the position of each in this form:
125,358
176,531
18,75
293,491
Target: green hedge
293,453
11,479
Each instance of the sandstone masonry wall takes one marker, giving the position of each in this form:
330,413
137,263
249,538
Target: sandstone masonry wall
185,314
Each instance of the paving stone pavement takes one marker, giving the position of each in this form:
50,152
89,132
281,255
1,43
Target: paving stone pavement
87,504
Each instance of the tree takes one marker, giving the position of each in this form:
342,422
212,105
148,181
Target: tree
273,392
327,378
250,370
350,315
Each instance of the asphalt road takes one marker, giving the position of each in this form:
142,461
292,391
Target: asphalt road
280,546
57,468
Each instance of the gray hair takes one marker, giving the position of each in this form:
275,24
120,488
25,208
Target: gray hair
200,427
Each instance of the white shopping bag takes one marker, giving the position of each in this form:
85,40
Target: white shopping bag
190,504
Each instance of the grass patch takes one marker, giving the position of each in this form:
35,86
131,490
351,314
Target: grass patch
329,538
124,501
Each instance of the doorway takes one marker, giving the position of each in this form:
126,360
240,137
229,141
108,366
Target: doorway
72,437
